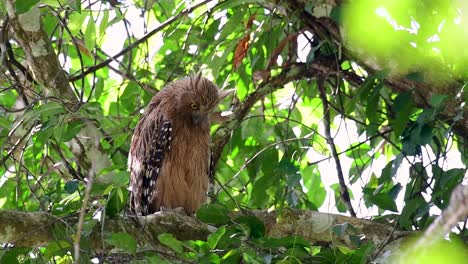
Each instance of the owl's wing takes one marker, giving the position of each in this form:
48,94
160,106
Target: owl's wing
150,142
158,148
211,167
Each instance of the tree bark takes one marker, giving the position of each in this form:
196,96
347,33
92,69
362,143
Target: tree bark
35,229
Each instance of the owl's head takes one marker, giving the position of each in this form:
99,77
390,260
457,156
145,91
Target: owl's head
198,97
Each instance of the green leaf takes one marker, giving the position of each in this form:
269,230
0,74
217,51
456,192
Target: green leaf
372,112
259,196
123,241
411,206
269,162
75,21
316,190
170,241
217,214
4,123
23,6
68,130
56,247
117,201
90,33
129,95
71,186
214,238
389,171
256,227
336,14
445,182
11,256
338,198
53,3
231,257
98,88
287,167
104,23
286,242
293,180
437,100
154,258
403,106
384,201
8,98
358,152
340,229
46,111
120,178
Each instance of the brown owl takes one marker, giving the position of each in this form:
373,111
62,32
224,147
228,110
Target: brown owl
169,159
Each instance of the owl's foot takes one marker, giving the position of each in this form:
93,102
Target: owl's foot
179,210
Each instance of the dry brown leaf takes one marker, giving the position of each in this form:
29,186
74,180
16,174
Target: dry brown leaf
243,45
241,51
250,22
81,46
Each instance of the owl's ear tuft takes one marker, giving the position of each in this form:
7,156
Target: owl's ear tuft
225,93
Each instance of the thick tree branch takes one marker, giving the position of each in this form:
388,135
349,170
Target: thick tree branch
27,229
40,56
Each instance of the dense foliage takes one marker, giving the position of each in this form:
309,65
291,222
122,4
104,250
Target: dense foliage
317,123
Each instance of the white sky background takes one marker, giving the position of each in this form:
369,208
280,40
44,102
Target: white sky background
114,41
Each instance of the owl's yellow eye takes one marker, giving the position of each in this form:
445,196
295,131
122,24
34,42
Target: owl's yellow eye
194,106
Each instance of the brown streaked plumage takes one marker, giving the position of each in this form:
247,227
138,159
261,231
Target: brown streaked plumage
170,149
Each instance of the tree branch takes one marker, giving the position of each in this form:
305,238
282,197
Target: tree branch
42,61
35,229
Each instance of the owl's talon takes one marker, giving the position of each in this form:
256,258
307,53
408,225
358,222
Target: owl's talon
179,210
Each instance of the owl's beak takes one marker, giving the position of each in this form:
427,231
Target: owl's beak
198,117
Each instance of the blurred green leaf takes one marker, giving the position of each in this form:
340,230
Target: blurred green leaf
122,241
214,238
255,226
90,33
116,202
129,95
231,257
23,6
437,100
170,241
71,186
217,214
403,106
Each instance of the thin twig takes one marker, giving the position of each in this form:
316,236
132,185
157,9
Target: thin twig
326,121
89,185
244,166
